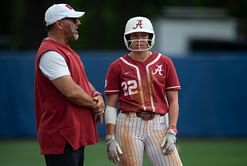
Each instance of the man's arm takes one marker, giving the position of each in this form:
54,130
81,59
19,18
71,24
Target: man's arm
99,99
100,106
74,92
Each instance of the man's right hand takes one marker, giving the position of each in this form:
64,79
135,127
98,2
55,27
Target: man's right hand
113,148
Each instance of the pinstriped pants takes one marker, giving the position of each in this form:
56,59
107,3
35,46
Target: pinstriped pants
137,136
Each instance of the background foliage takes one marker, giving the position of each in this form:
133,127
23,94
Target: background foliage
102,27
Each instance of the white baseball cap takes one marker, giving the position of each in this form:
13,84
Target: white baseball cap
59,11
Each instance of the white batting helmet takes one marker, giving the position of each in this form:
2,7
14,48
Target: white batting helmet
139,24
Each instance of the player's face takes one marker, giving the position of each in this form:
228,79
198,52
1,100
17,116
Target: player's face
139,40
70,28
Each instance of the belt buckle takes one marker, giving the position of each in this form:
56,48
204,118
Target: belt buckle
145,115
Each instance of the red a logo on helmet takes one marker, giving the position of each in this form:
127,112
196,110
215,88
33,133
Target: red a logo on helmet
139,23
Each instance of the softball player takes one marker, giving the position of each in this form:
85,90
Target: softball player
144,85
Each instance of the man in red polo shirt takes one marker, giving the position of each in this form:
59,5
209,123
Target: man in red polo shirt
67,105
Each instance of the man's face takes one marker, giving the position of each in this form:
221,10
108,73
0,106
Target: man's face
70,28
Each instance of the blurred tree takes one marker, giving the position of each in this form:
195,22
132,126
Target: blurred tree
5,24
103,25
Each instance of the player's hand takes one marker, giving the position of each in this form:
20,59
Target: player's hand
169,142
113,148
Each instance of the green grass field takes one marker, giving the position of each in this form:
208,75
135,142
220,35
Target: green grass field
220,152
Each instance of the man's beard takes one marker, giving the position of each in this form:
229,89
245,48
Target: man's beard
76,36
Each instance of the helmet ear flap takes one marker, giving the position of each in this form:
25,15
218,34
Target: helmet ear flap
150,37
128,40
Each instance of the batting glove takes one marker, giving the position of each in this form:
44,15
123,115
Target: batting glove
168,144
113,148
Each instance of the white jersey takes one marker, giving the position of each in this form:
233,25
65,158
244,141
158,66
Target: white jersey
53,65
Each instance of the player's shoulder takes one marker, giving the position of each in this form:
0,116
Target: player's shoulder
116,64
119,60
162,56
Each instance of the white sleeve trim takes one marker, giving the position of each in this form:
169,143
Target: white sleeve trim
53,65
174,87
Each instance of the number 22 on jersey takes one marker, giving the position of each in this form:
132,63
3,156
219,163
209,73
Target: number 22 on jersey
129,87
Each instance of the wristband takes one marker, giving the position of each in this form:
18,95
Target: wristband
110,115
173,128
109,137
